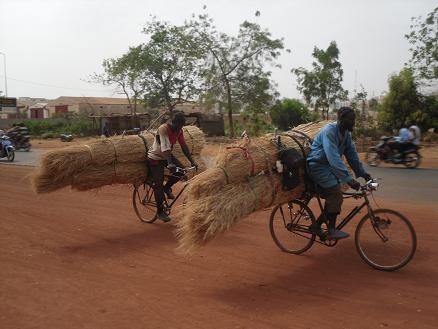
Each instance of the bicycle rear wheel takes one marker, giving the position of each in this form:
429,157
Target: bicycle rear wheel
289,225
143,200
387,242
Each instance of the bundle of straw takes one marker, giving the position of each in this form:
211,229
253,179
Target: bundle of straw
116,160
208,216
238,162
221,196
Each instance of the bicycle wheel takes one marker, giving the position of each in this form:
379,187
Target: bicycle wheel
143,200
387,242
289,226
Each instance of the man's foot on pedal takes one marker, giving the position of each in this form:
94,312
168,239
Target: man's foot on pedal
163,216
336,234
169,193
315,228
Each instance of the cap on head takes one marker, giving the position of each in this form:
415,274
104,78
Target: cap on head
344,111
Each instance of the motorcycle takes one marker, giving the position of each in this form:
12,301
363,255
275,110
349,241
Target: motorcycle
20,138
66,137
7,150
407,155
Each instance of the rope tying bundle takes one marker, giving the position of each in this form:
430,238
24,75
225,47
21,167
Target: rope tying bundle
246,155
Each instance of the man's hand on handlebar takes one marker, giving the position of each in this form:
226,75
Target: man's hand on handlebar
194,165
367,177
354,184
171,167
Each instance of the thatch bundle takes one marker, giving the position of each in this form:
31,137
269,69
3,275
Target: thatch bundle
238,162
228,192
116,160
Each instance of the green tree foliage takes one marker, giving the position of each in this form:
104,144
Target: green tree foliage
289,113
165,71
399,106
125,74
172,62
235,74
424,46
321,86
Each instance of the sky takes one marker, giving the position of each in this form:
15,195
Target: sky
51,47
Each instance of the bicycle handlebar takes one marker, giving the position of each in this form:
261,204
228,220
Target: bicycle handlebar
369,186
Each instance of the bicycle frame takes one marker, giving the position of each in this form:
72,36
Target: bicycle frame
354,211
176,197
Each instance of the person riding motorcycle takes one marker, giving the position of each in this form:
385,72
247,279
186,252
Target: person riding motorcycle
400,143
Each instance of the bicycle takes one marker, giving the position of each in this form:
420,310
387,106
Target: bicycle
143,198
384,238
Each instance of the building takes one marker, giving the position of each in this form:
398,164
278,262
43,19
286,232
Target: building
92,106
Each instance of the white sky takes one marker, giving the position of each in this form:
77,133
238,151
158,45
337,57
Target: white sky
51,46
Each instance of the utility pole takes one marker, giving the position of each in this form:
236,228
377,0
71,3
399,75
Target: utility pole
6,79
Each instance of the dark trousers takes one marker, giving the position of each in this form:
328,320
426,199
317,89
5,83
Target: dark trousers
156,173
333,199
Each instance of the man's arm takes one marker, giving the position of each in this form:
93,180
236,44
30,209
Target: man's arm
334,158
185,149
353,159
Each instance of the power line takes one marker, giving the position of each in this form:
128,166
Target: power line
52,86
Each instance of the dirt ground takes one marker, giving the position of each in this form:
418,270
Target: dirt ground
83,260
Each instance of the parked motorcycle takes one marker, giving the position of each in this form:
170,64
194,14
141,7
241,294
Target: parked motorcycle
7,150
408,155
66,137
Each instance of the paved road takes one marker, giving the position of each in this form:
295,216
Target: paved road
22,158
418,185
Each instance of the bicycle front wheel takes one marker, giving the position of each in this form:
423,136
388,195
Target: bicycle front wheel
289,225
386,242
143,201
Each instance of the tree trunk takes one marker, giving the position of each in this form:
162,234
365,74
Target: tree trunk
230,109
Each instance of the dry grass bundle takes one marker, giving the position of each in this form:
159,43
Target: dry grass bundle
312,128
98,176
206,217
58,167
195,141
63,163
235,163
43,183
216,201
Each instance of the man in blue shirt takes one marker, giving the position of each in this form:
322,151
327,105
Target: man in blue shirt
327,169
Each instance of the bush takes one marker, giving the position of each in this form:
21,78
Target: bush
73,124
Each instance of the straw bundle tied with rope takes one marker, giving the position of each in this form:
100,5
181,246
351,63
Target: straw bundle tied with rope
237,162
116,160
221,196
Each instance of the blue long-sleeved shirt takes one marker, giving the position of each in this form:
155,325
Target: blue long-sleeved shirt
324,159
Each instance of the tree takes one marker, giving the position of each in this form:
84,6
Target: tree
234,62
321,86
172,64
125,74
402,101
289,113
424,46
165,71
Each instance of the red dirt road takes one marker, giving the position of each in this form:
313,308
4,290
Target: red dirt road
82,260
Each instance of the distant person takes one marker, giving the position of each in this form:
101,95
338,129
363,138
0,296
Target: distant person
401,142
415,135
106,130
